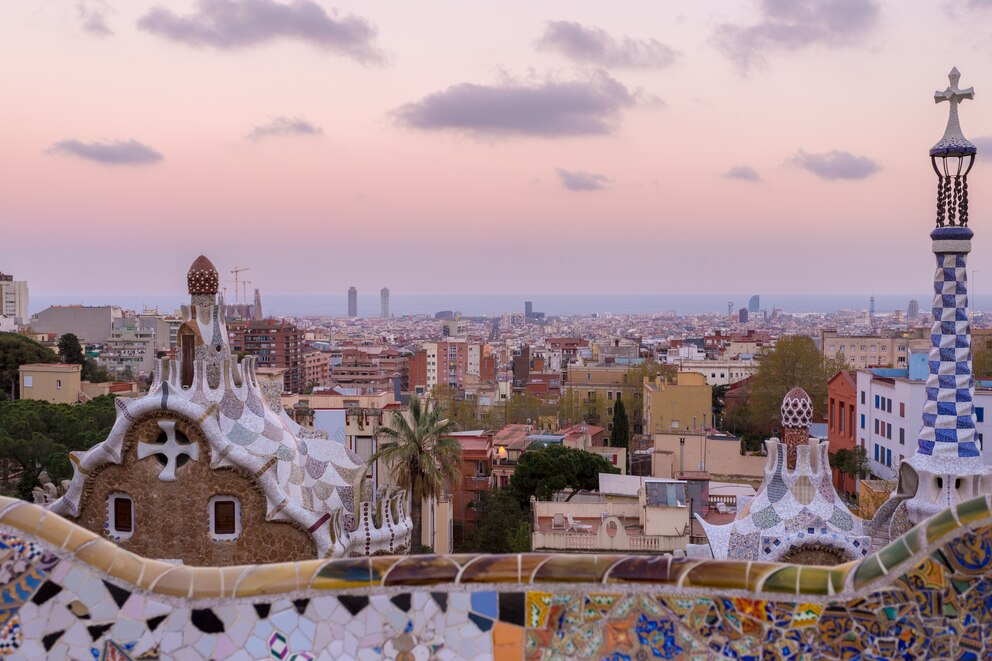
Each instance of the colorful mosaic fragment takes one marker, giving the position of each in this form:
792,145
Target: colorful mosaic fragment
919,597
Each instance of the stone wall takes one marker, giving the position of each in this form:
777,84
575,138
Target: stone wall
172,519
69,593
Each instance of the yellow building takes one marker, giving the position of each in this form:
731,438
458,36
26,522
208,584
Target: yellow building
684,405
56,383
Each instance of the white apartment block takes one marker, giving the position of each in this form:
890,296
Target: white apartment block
721,372
13,299
889,417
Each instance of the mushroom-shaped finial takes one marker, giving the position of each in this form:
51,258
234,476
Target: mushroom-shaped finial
202,277
797,409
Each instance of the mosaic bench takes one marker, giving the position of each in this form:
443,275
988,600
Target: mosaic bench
68,593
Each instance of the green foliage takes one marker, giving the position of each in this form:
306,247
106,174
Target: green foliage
981,362
852,462
504,525
421,456
556,467
620,435
70,350
17,350
794,361
719,399
36,436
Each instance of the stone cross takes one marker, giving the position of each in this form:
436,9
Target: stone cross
172,448
954,96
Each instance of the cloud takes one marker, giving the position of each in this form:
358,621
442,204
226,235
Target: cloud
984,142
120,152
284,126
580,180
550,109
836,165
742,172
591,45
792,25
233,24
93,17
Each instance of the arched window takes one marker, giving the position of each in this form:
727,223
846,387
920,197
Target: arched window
187,351
120,516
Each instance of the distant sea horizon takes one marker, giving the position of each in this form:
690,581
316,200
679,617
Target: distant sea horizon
336,305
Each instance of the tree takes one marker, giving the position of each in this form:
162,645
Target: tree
70,350
36,435
556,467
620,435
794,361
503,527
719,399
981,362
17,350
421,456
852,462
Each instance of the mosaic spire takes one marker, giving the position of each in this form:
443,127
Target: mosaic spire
948,429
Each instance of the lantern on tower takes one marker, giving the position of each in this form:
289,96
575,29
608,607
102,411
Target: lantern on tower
952,158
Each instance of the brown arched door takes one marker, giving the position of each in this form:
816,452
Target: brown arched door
187,350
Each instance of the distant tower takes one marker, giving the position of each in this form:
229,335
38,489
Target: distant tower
871,312
742,315
730,308
913,310
352,302
384,303
256,312
754,304
528,309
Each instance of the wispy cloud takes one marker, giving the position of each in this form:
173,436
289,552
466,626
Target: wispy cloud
984,142
120,152
232,24
592,45
792,25
580,180
93,17
591,106
742,172
836,165
282,125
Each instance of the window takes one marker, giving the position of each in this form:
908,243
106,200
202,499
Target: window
902,409
862,396
878,401
876,451
58,383
609,395
888,457
120,516
980,413
225,518
902,436
888,407
862,420
876,425
28,381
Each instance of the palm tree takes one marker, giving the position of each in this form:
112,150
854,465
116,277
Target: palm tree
421,456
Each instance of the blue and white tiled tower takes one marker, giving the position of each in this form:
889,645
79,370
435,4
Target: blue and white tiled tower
947,467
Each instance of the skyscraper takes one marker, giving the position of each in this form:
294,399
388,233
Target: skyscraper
352,302
754,304
384,303
913,310
528,309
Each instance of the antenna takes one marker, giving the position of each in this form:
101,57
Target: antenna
237,292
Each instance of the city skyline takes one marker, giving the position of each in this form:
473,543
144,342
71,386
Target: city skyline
630,150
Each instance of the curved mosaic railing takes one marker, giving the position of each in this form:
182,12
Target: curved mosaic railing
67,593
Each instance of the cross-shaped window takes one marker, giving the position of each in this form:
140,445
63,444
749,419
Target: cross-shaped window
172,449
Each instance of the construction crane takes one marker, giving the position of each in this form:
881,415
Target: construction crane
237,291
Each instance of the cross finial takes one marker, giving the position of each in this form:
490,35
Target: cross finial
953,143
171,449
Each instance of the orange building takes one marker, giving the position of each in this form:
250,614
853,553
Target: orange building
477,469
842,402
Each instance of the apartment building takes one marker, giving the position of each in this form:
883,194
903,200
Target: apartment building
274,344
685,404
90,323
13,298
890,413
867,351
450,363
842,404
371,368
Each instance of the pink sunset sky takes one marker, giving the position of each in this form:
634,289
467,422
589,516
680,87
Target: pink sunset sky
453,147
